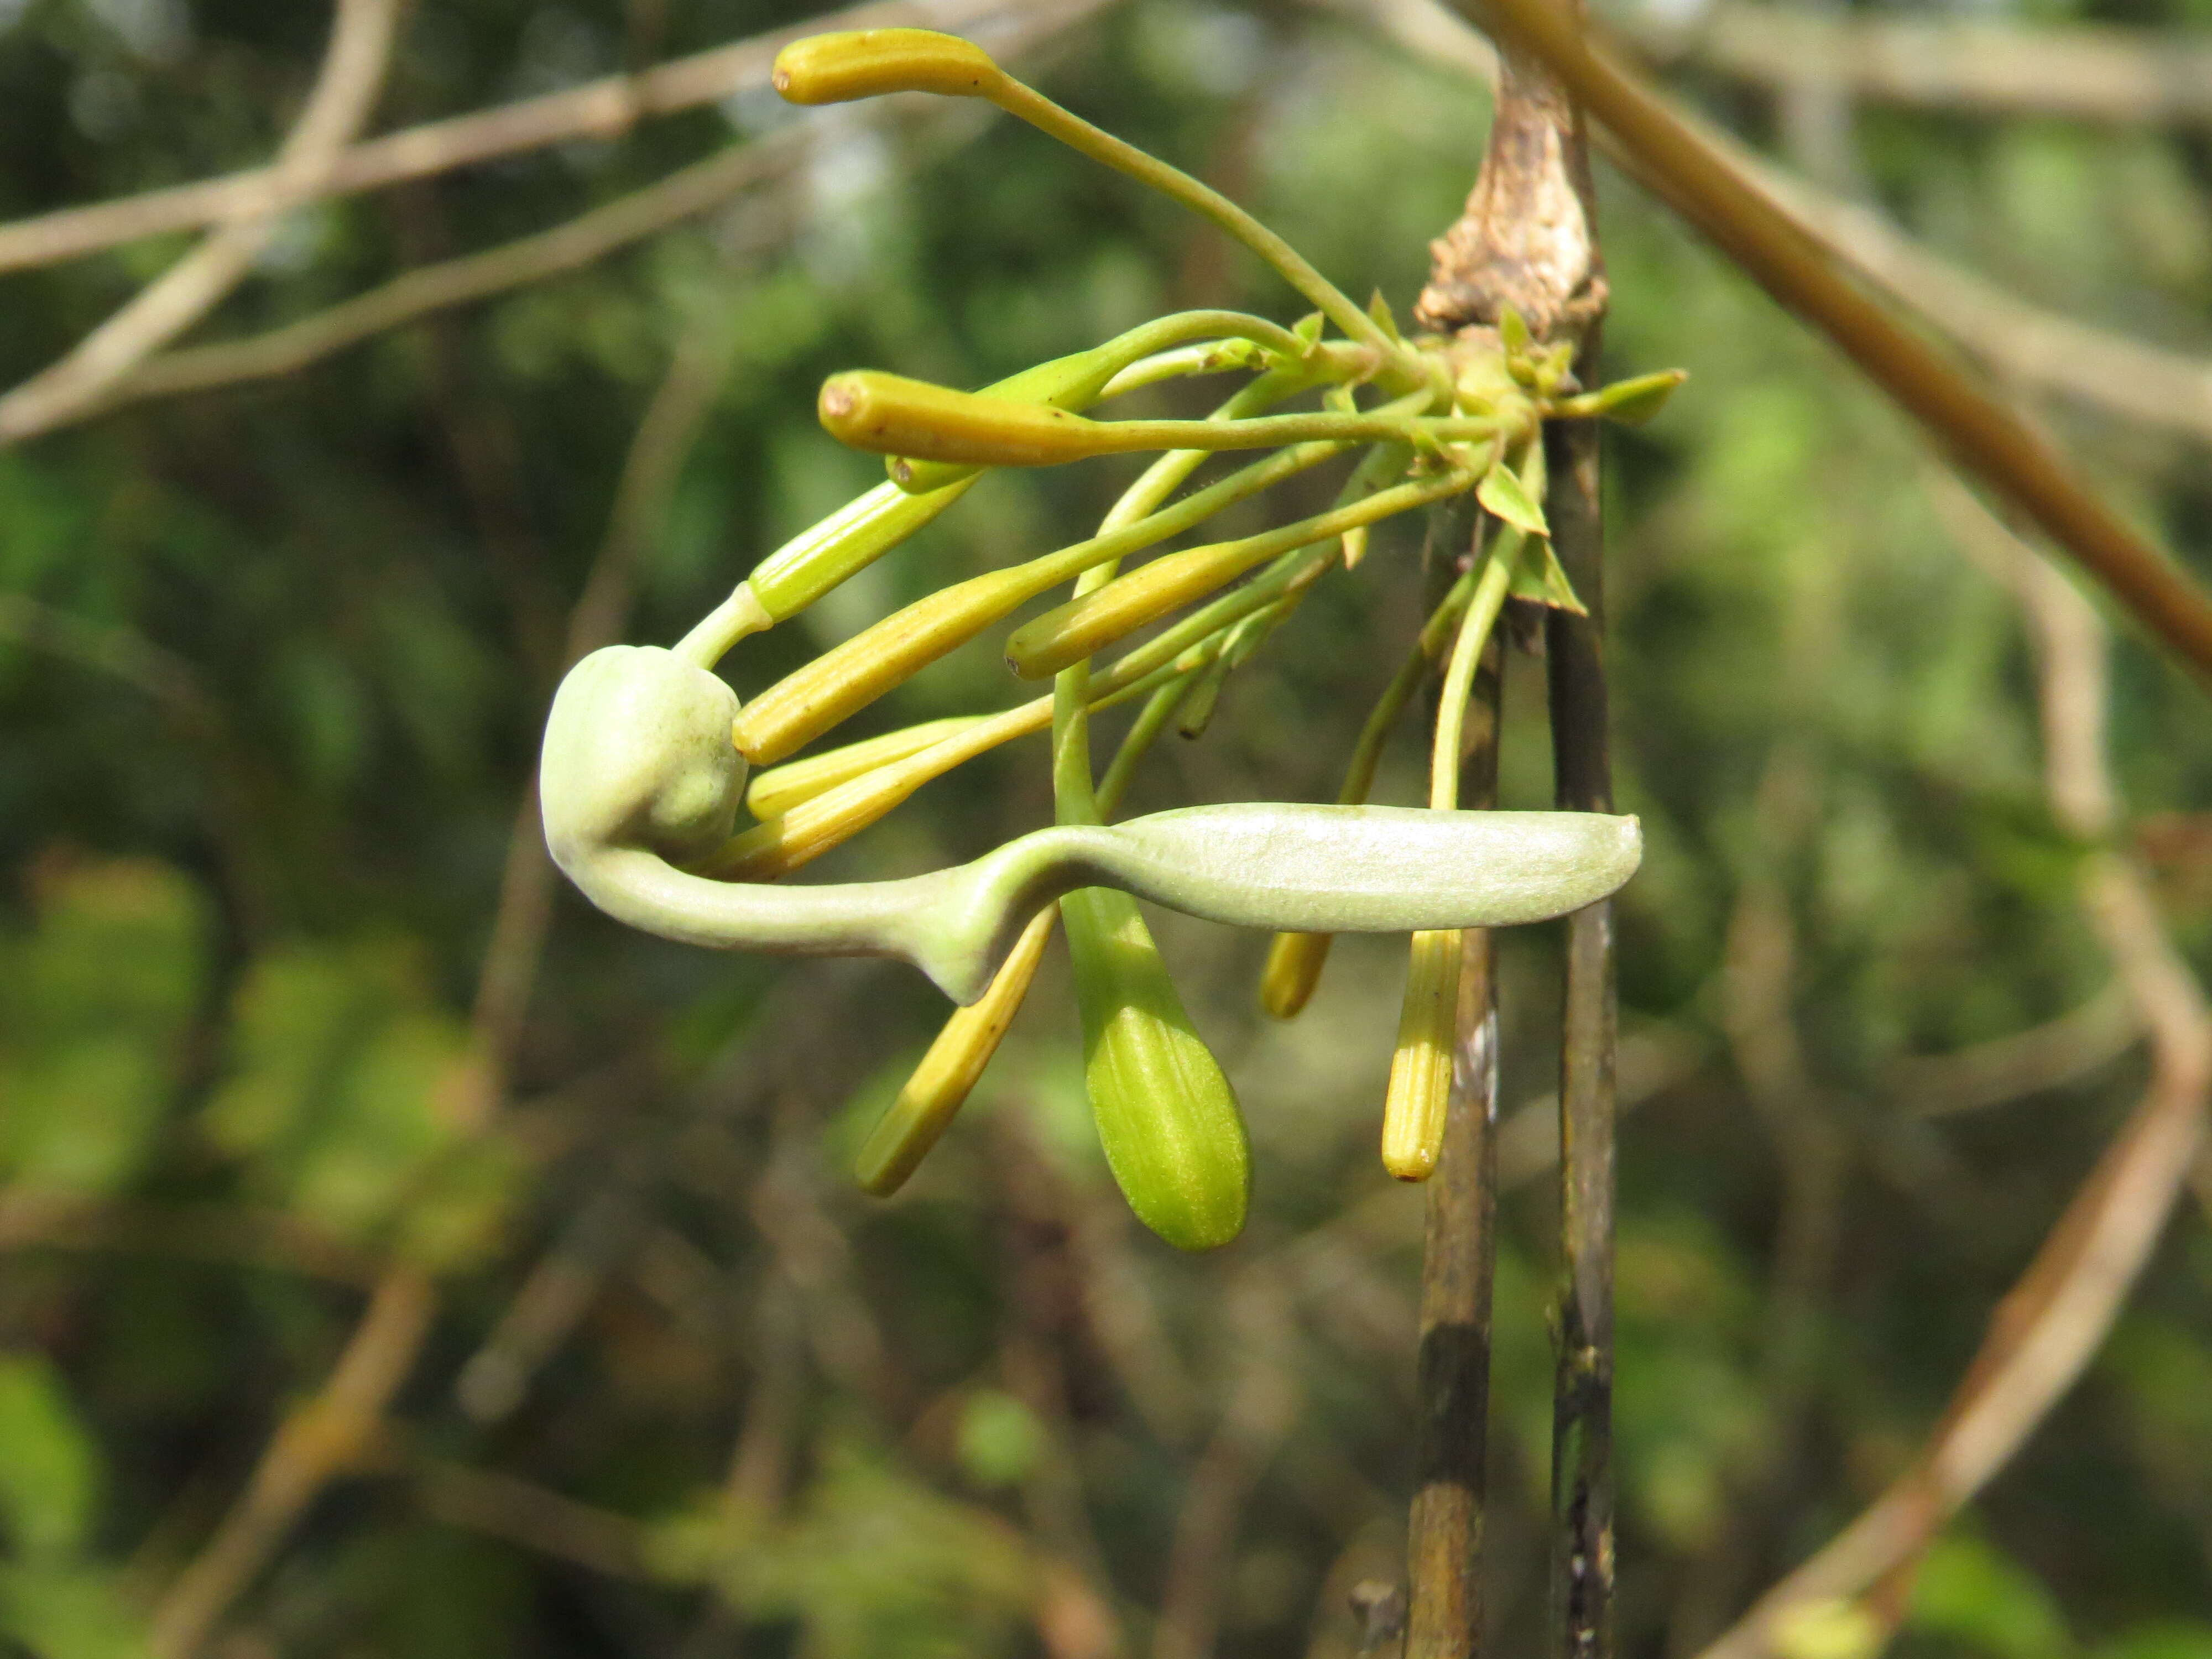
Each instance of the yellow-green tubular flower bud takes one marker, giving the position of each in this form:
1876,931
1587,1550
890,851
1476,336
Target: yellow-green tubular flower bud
1167,1117
870,410
850,540
1293,970
807,828
1421,1068
848,676
1065,383
835,68
895,416
911,1123
780,788
1074,630
802,706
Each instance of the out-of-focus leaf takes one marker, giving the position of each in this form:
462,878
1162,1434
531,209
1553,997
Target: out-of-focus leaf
1000,1439
2178,1639
49,1469
99,998
346,1081
1972,1591
69,1613
875,1566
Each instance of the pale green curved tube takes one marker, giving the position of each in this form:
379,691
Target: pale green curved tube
638,775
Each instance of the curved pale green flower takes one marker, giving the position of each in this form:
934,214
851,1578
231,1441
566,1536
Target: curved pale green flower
639,777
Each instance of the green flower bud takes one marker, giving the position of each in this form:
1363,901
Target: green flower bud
1167,1117
835,68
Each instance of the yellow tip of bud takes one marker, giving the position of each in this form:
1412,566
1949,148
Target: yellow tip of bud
1421,1069
835,68
892,415
911,1124
1294,965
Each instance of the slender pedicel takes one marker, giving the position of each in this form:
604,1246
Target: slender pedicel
827,69
1414,1105
1083,378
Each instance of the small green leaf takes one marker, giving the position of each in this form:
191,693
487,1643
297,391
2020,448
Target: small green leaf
1513,333
49,1469
1538,577
1970,1591
1503,497
68,1613
1309,327
1000,1440
1379,309
1631,403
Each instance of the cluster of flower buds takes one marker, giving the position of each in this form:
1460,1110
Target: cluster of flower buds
648,750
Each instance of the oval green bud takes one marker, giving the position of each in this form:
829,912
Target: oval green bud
1167,1117
837,68
1293,970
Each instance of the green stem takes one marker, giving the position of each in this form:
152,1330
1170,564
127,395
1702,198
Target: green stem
1026,104
1467,651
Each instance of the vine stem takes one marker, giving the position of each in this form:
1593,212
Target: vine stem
1988,439
1528,243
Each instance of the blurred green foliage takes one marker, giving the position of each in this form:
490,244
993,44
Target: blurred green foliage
686,1393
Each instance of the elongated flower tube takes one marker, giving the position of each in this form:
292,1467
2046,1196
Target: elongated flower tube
806,828
842,545
802,706
1419,1092
1084,624
892,415
638,775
